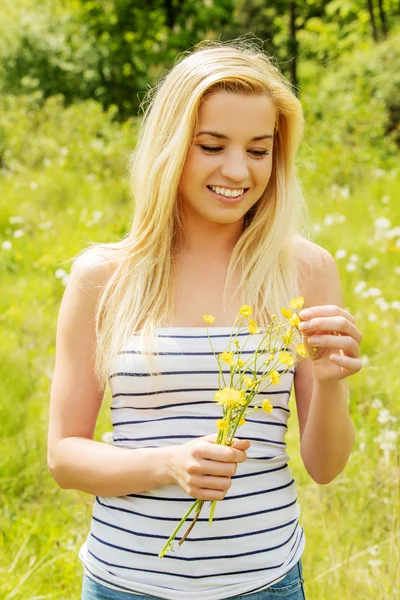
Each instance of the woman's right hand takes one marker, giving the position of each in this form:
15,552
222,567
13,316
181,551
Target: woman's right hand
203,468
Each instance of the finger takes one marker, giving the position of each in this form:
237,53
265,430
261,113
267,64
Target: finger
341,342
241,444
329,310
354,365
212,483
217,468
339,324
224,454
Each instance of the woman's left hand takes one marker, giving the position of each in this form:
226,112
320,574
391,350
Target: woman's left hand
333,332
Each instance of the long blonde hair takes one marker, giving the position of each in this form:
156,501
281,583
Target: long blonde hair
138,297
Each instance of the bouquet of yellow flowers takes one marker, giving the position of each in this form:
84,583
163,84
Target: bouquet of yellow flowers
245,381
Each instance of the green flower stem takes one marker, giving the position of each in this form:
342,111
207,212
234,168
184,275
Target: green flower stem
168,544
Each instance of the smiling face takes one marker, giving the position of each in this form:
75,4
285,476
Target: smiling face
230,160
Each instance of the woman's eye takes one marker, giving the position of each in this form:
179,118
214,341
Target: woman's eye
214,149
260,153
211,148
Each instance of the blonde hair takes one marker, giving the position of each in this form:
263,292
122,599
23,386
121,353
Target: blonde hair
138,297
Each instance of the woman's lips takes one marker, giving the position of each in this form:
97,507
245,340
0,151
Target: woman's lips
228,199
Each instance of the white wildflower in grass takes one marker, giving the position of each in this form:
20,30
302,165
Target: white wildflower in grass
375,563
97,215
395,305
45,225
385,417
16,219
387,440
372,317
374,550
385,199
6,245
329,220
341,253
360,287
64,151
381,224
19,233
376,403
340,219
382,304
371,263
373,292
316,228
33,185
353,258
60,273
345,192
365,360
362,446
390,234
47,163
350,267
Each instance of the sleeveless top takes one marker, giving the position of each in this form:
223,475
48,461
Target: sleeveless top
255,537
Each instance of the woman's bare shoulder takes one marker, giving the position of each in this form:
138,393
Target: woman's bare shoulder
318,272
92,270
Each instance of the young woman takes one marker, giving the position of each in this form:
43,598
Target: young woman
217,224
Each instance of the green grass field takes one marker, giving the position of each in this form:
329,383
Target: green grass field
64,183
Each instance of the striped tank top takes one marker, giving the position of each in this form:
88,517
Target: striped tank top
255,537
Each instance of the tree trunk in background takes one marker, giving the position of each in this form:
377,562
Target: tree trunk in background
293,48
382,15
372,19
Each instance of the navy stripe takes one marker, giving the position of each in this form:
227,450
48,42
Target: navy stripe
200,519
158,572
275,489
118,423
201,337
177,391
183,353
193,539
184,404
193,558
131,374
189,437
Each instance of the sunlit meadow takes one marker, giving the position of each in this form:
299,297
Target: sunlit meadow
63,183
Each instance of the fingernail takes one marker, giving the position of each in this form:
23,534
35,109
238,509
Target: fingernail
304,325
304,314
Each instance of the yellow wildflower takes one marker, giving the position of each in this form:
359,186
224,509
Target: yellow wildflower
230,397
240,363
270,357
286,358
209,319
289,335
245,310
237,343
286,312
295,320
253,327
274,377
297,303
248,381
301,349
221,424
242,421
227,357
267,406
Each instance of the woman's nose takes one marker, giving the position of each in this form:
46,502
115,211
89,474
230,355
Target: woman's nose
235,167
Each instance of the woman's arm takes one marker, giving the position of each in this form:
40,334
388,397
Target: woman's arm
326,429
202,468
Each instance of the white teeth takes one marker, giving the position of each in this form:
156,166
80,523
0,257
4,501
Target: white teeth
227,193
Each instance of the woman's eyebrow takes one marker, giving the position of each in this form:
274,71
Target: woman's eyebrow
225,137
